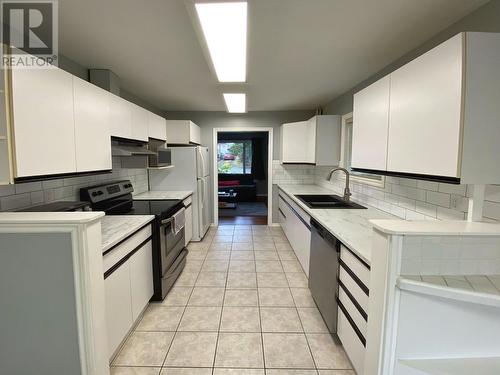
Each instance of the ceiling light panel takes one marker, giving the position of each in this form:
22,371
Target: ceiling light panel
235,103
225,28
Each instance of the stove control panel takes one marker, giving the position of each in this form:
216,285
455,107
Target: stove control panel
106,191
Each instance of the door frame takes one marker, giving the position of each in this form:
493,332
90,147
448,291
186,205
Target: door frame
269,132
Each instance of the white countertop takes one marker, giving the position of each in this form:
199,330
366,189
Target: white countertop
163,194
436,228
78,217
116,228
350,226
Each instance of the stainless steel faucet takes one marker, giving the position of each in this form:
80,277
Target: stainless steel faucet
347,191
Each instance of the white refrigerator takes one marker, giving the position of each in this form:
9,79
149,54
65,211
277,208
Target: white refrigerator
191,171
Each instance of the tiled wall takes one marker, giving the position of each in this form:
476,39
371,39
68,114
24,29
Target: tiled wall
292,173
17,196
453,255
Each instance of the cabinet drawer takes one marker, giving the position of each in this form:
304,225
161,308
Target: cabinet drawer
114,255
353,287
353,311
352,344
360,269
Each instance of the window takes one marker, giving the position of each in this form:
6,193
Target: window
346,147
234,157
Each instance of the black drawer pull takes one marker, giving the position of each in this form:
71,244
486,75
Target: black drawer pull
356,279
353,300
352,323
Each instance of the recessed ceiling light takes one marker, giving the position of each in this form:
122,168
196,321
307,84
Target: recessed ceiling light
225,28
235,103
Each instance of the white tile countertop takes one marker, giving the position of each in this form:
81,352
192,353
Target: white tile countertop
116,228
350,226
163,194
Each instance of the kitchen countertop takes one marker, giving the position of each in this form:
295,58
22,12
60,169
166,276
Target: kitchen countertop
79,217
163,194
350,226
437,228
117,227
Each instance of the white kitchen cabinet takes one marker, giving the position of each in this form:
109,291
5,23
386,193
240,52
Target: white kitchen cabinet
296,226
141,279
371,126
315,141
140,118
120,117
183,132
118,307
443,115
43,122
157,127
188,228
92,138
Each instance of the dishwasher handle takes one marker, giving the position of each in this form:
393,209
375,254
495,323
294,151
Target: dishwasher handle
325,235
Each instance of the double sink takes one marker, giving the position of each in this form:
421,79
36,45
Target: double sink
327,201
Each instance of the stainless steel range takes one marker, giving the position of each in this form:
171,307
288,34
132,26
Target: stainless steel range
169,252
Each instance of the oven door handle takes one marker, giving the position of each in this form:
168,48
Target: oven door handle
167,221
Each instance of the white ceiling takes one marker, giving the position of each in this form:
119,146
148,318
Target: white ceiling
301,53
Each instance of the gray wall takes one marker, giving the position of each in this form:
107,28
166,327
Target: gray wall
486,19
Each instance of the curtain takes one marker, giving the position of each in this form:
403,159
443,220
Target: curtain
259,158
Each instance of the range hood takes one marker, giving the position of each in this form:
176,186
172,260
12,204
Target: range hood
120,148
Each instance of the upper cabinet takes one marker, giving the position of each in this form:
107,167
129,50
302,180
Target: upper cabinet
371,119
157,127
42,122
120,117
315,141
92,137
443,121
140,118
183,132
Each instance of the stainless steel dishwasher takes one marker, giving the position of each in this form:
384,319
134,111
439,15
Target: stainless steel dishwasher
323,273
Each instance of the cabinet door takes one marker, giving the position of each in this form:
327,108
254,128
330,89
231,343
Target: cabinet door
140,118
118,306
120,117
425,113
294,139
157,128
370,126
194,133
44,128
188,229
141,279
311,141
92,139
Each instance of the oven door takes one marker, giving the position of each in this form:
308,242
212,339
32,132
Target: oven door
171,244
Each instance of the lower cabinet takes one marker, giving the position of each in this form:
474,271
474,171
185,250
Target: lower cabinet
296,226
128,283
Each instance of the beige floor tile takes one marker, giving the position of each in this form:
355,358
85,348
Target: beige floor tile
287,350
297,279
268,266
196,255
224,231
242,266
243,280
215,266
264,246
204,296
238,371
135,370
279,297
221,246
302,297
158,318
266,255
239,350
311,320
218,255
271,280
290,372
187,278
336,372
211,279
327,354
177,296
291,266
200,319
280,240
287,255
193,265
241,297
242,255
144,349
192,349
242,238
240,319
222,238
242,246
186,371
198,245
282,246
280,319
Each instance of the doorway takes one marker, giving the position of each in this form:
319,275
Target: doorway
242,176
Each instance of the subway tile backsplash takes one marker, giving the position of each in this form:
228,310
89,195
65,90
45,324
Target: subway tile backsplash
27,194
